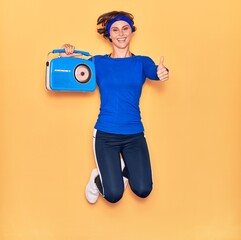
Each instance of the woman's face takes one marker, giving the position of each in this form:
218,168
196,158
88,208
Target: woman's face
120,34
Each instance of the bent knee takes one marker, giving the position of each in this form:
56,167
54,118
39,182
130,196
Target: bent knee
113,196
142,191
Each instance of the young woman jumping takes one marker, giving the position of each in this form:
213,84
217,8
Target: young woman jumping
120,147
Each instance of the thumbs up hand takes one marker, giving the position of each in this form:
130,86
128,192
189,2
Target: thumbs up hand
162,71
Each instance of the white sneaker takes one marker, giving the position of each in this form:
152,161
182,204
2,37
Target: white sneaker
125,180
91,191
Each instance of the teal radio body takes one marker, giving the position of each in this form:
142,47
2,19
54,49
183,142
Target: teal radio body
74,74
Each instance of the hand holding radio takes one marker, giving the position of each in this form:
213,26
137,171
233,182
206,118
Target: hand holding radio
69,50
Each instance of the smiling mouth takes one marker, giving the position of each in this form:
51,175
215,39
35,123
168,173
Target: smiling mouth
121,40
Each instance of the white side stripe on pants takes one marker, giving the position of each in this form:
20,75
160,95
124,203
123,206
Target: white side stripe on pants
94,139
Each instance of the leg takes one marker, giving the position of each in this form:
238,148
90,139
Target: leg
138,166
107,154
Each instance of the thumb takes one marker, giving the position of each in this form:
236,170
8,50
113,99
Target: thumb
161,62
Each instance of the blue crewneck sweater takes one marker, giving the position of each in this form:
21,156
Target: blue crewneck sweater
120,82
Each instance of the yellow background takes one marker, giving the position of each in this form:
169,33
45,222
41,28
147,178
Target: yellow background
192,123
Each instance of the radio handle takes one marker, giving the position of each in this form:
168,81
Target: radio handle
75,51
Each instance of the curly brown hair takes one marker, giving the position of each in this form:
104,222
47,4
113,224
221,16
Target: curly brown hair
105,18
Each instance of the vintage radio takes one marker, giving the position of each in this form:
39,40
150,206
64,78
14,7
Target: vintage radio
74,74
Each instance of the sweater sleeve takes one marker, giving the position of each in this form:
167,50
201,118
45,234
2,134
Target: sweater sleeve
150,68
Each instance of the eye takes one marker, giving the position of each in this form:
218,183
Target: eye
114,29
126,28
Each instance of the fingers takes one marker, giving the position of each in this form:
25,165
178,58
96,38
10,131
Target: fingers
163,74
69,50
164,77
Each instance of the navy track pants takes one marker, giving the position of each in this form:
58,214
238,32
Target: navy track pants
108,149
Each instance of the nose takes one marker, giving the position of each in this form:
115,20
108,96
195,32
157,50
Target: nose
121,32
